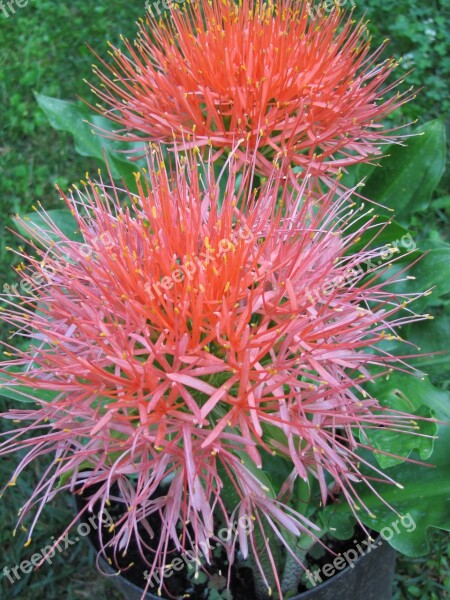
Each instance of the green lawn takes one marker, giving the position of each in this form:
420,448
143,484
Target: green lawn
42,49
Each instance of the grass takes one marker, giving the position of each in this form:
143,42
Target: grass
42,48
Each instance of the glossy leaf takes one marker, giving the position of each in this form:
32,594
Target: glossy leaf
63,219
429,272
410,173
421,497
21,393
383,231
443,202
432,337
432,272
340,524
79,122
401,392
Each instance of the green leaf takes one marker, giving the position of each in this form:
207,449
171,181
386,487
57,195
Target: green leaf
402,444
228,494
71,117
423,496
62,218
432,336
383,232
341,525
64,478
265,482
277,467
78,121
430,272
405,393
22,393
410,173
354,174
443,202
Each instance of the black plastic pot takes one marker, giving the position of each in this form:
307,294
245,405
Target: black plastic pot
370,578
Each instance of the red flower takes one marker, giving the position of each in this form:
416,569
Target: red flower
180,336
301,90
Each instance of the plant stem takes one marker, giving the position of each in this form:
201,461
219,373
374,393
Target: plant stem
265,584
293,570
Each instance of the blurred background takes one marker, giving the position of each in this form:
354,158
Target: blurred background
42,49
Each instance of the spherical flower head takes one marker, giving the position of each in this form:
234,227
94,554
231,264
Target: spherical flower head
302,88
196,329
